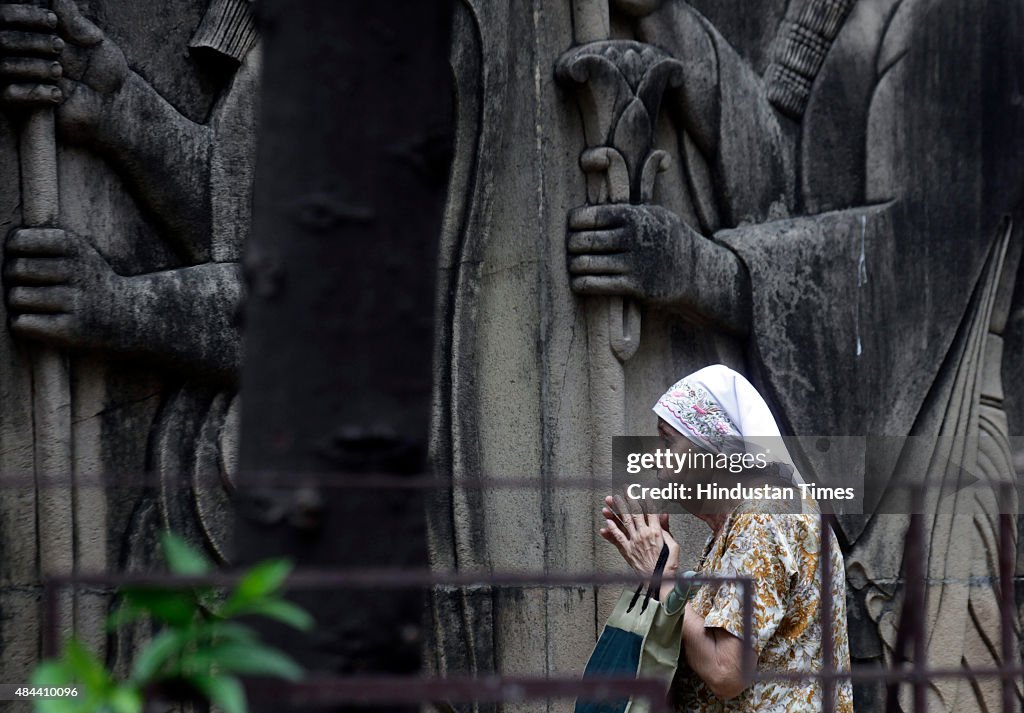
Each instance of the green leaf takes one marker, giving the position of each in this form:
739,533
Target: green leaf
177,608
51,673
227,631
246,659
209,598
57,705
279,610
85,667
182,558
259,582
125,700
125,614
57,673
223,691
156,653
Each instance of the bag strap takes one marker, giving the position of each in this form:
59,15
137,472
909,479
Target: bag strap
655,585
659,571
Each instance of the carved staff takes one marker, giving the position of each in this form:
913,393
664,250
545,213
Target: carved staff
590,21
51,390
619,86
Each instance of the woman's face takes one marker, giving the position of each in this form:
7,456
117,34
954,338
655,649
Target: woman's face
679,444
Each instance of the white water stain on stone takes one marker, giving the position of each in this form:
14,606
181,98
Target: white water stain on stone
862,276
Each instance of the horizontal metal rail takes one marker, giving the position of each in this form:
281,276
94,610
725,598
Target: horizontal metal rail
327,691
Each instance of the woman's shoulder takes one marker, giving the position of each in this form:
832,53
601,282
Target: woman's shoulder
797,505
782,523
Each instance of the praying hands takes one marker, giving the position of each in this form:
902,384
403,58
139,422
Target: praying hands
639,538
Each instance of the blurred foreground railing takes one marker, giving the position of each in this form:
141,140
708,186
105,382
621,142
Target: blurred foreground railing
909,663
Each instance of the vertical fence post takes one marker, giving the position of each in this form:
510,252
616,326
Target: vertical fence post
828,685
352,166
1007,603
910,631
917,594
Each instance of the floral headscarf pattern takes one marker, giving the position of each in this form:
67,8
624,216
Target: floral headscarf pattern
720,411
697,411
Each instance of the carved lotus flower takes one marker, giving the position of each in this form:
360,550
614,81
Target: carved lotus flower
619,86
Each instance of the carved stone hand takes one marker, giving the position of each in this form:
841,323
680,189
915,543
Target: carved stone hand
648,253
59,58
60,289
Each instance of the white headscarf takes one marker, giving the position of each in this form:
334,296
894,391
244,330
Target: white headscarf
719,410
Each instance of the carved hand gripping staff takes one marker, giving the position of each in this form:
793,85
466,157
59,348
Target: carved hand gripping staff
619,85
51,408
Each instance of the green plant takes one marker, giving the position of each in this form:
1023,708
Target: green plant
200,649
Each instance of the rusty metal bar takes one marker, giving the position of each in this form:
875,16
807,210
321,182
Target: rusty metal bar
869,674
825,548
374,579
917,593
1007,610
749,663
908,621
330,690
861,674
293,479
336,689
393,689
400,689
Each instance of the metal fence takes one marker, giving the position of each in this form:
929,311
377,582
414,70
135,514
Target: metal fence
909,665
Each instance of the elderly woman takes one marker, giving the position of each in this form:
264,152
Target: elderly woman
717,410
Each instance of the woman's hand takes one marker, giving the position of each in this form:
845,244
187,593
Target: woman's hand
639,538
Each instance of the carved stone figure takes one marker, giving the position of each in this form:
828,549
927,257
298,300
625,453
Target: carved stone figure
139,287
839,221
823,194
832,169
514,385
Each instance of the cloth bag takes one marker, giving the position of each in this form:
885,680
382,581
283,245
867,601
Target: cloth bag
642,639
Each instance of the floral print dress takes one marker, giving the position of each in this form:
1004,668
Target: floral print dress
780,552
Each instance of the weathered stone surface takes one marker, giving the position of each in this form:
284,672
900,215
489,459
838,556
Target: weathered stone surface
853,247
155,160
847,216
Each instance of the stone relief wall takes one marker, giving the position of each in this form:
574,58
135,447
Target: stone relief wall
828,163
137,291
820,193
